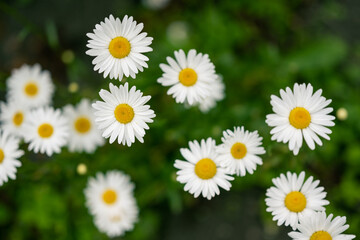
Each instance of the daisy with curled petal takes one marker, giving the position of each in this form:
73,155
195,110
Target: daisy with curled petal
300,114
238,151
217,94
46,130
292,199
12,117
9,154
191,77
30,87
84,135
320,227
123,114
201,172
118,47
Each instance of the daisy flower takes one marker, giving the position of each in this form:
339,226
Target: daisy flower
84,135
217,94
109,197
238,151
118,47
300,114
123,114
29,86
201,172
9,154
320,227
46,130
191,77
292,199
12,117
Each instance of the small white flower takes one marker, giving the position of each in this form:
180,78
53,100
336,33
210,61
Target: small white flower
292,199
123,114
319,227
201,172
30,87
9,154
46,130
12,117
300,114
118,47
191,77
238,151
84,135
216,95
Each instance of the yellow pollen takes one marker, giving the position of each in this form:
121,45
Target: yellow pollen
18,118
188,77
205,168
299,118
82,125
31,89
295,201
119,47
238,150
109,196
45,130
2,155
321,235
124,113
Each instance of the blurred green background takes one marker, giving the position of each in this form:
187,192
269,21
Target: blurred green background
258,46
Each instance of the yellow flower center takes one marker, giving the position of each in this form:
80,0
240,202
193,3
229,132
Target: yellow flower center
205,168
321,235
188,77
45,130
295,201
31,89
119,47
2,155
109,196
300,118
238,150
82,125
18,118
124,113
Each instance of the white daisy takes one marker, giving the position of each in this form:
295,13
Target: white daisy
201,171
46,130
9,154
109,197
291,199
12,117
84,135
320,227
298,114
191,77
238,151
217,94
118,47
123,114
29,86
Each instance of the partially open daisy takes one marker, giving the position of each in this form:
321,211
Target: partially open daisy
12,117
46,130
9,155
118,47
292,199
238,151
191,77
30,86
123,114
217,94
201,172
84,135
110,199
319,227
300,114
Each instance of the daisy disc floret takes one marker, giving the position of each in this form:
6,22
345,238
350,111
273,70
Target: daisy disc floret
118,46
300,114
12,117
